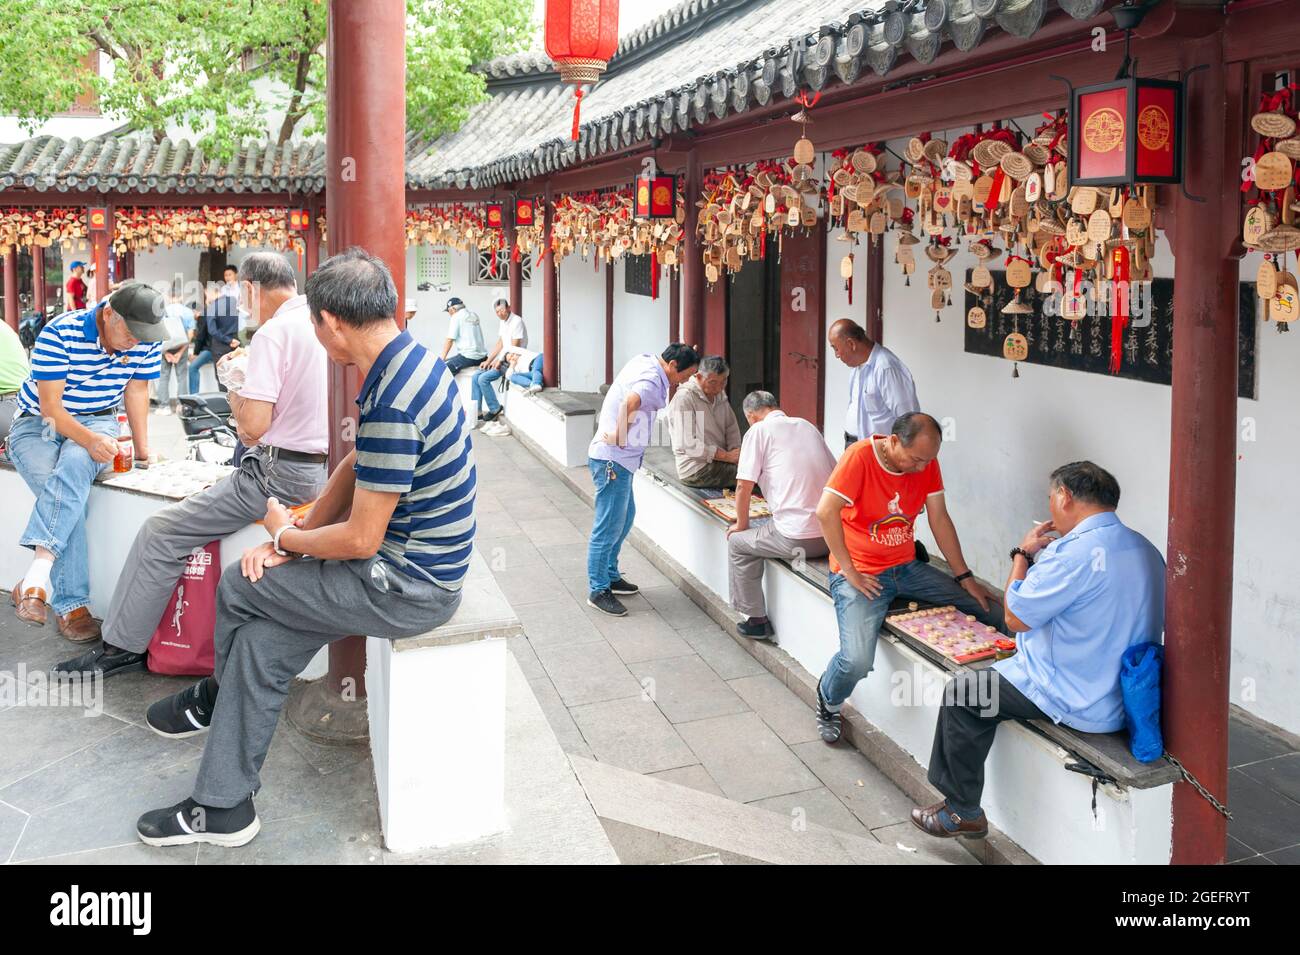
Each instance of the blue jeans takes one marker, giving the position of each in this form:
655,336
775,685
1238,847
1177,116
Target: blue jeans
459,362
196,363
481,389
860,618
534,375
615,510
59,472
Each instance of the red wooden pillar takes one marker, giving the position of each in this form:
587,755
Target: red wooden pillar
803,305
674,304
609,322
515,269
311,238
691,326
1203,448
99,242
550,300
875,290
11,288
365,196
38,279
714,335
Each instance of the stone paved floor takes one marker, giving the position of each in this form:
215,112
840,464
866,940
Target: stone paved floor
663,691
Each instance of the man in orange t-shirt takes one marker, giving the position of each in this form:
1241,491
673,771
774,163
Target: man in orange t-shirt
871,501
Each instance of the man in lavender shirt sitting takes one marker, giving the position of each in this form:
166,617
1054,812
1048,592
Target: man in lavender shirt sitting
626,424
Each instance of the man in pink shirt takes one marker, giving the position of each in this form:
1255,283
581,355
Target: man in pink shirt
281,414
788,459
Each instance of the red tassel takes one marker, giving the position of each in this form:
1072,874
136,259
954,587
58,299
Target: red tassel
577,110
654,274
1119,307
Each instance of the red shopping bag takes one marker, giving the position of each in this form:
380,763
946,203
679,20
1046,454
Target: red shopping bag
182,644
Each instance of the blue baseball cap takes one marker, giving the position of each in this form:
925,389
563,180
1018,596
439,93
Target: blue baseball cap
76,264
453,302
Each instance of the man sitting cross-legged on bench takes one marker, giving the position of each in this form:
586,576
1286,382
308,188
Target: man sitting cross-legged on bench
1080,601
281,416
872,499
383,553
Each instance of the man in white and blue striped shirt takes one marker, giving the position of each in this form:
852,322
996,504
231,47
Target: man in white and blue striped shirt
384,552
85,364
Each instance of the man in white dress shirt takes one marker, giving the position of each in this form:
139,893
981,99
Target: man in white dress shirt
880,386
788,458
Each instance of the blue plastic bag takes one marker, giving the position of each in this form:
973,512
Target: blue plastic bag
1139,682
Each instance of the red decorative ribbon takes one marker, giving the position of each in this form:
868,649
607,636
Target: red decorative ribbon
1119,306
654,274
577,110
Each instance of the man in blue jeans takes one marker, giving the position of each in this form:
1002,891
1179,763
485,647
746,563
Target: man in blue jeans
512,334
626,425
84,365
867,513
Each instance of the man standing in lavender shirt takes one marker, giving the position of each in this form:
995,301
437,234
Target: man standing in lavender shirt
626,423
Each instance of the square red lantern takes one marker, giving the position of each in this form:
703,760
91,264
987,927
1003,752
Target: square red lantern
1128,131
523,212
656,197
299,220
98,219
494,220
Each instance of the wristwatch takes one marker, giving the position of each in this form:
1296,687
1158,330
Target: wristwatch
960,577
1023,553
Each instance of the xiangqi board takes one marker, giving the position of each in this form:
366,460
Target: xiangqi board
958,636
726,507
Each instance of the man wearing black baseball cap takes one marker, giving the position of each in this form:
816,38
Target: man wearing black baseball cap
85,364
465,334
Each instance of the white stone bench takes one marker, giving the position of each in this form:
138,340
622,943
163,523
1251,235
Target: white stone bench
437,722
561,425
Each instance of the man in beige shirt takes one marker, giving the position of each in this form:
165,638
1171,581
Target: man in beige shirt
703,426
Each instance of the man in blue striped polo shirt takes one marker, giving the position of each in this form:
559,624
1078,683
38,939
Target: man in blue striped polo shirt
84,365
383,552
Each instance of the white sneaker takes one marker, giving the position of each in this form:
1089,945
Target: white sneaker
532,389
496,429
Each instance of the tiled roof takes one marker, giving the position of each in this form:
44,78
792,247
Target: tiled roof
135,163
701,60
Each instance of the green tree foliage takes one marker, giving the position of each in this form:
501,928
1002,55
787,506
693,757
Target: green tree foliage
220,69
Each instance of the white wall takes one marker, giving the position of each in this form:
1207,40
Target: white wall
1009,434
582,323
640,322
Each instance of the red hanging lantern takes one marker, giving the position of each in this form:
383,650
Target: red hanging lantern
299,220
581,37
494,215
1125,132
523,212
656,197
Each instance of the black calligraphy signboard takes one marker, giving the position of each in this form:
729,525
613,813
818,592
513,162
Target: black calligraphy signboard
1084,345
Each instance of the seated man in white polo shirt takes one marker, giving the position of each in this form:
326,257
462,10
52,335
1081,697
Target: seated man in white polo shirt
788,458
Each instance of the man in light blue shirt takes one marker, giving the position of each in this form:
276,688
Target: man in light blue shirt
465,334
880,386
627,416
1079,602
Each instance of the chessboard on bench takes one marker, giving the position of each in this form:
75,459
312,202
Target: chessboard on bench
949,633
725,507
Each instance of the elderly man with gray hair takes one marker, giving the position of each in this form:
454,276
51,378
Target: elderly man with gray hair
788,458
281,412
704,429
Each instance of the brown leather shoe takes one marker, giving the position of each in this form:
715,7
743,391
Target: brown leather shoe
79,626
30,604
928,821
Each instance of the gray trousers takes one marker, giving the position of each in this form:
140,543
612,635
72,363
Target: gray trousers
748,550
158,555
268,631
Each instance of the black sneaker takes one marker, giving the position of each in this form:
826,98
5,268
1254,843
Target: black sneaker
606,602
755,631
829,725
187,823
623,587
105,659
184,714
490,416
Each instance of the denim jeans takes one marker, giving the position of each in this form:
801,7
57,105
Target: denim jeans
196,364
860,618
615,510
59,472
459,362
534,375
481,389
181,370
